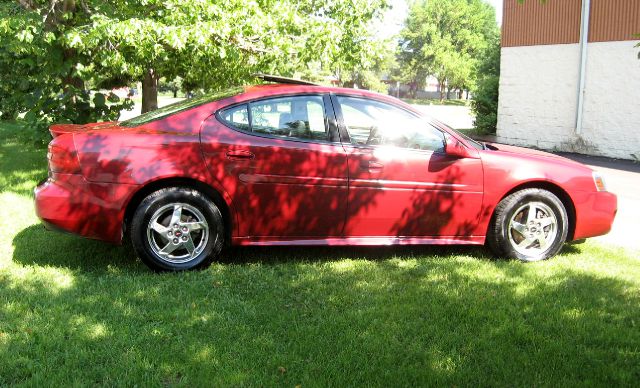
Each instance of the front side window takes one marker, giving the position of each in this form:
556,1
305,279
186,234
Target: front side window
375,123
299,117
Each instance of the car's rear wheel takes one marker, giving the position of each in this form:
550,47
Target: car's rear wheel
528,225
176,229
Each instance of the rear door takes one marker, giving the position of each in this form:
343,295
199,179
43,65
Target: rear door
401,182
282,163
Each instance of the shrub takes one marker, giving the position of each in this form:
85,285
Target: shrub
485,104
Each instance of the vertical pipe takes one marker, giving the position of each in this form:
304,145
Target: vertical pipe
584,40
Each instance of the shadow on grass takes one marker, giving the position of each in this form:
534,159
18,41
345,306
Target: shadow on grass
288,316
35,245
311,254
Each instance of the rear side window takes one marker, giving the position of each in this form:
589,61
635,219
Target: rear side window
299,117
237,117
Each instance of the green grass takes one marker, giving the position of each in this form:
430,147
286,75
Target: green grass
80,312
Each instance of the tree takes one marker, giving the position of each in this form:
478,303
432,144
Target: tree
172,86
446,38
381,59
63,47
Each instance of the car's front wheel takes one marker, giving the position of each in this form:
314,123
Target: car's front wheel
529,225
175,229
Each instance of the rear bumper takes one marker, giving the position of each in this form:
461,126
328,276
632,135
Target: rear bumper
595,212
69,203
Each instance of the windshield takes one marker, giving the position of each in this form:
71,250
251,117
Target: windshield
179,107
476,144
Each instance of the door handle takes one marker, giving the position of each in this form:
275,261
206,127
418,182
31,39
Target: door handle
371,165
240,155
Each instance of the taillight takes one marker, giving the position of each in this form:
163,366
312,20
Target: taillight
62,155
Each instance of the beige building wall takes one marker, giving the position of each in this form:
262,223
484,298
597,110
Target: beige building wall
538,98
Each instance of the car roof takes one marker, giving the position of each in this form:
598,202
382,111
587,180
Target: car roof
267,90
295,88
245,94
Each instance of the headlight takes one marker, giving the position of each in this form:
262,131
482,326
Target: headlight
599,181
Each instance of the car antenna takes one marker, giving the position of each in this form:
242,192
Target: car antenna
283,80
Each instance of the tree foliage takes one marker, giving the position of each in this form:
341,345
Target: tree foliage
58,49
42,75
446,39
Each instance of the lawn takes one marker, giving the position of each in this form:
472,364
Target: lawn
80,312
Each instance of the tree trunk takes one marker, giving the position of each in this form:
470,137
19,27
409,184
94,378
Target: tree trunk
441,89
150,91
175,93
70,55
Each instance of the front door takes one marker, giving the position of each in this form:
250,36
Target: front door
281,162
401,183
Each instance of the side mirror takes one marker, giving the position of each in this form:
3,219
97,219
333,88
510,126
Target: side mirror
453,147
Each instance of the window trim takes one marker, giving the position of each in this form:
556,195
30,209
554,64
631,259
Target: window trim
328,111
344,132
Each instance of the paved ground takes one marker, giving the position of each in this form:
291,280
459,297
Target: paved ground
457,117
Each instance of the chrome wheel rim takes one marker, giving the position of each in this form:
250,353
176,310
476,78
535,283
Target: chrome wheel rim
177,232
533,229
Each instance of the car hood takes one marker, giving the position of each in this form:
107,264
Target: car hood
531,153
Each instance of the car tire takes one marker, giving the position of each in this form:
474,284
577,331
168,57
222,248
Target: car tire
177,229
528,225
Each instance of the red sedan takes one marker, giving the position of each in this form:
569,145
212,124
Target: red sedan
300,164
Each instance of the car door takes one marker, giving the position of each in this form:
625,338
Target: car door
401,182
281,161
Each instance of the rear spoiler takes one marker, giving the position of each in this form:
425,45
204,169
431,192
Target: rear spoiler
60,129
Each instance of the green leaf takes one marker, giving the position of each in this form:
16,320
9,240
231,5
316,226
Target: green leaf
99,100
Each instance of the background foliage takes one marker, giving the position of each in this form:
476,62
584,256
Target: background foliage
485,92
446,39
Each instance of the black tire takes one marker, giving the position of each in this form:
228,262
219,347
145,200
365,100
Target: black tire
503,240
187,199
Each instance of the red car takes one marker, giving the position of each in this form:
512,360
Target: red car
300,164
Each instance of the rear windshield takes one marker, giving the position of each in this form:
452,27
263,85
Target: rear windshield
179,107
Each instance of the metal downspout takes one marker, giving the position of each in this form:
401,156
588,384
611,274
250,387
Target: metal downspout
584,39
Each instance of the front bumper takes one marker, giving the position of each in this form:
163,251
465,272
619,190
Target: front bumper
69,203
595,212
